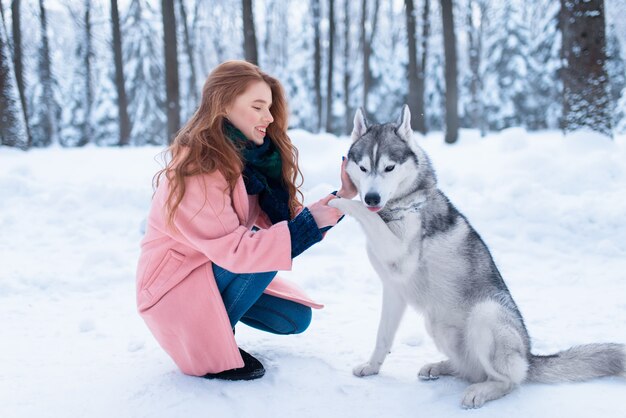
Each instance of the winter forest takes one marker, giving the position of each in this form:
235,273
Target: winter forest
75,72
519,104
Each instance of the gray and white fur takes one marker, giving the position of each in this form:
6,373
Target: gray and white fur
429,257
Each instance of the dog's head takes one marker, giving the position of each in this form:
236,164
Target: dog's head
385,163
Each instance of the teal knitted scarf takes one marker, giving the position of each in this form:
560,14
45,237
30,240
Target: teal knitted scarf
265,158
262,173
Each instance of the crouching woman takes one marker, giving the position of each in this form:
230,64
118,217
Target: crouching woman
225,217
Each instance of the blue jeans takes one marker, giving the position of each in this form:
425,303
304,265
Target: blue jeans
245,301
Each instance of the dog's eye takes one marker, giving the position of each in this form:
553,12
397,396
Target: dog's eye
363,169
389,168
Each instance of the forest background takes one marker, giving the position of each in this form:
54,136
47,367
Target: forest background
131,72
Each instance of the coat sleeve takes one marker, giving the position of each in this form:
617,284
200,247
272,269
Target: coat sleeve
303,230
207,220
263,221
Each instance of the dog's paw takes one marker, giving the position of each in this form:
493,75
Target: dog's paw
432,371
477,394
365,369
341,204
353,208
428,372
474,397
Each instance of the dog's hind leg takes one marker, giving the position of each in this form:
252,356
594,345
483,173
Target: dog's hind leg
392,311
495,344
432,371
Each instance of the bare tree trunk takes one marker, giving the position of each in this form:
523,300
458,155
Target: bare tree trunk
18,62
421,76
475,40
449,41
122,101
586,99
346,68
48,122
366,41
12,128
417,112
189,50
249,34
87,128
331,61
366,55
317,64
171,69
474,60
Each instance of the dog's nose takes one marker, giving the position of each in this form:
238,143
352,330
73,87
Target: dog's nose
372,199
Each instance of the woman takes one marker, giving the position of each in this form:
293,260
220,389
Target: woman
225,217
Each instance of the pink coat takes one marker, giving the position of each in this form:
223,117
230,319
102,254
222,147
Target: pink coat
176,292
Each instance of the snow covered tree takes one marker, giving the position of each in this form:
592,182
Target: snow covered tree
506,68
472,104
585,81
78,128
143,64
545,88
12,123
298,79
44,107
190,91
276,37
616,70
388,64
435,84
620,114
216,26
369,20
106,110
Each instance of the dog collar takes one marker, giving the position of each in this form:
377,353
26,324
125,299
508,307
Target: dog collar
415,207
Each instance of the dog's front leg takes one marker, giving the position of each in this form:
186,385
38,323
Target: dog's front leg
382,240
393,309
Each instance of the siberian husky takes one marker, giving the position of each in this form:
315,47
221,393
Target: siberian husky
428,256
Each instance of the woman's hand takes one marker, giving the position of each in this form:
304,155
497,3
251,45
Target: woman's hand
348,189
323,214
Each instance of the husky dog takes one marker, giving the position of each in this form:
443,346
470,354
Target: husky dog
428,256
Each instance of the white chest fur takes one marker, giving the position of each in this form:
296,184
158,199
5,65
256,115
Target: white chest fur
402,260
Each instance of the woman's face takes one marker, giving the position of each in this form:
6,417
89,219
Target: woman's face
250,112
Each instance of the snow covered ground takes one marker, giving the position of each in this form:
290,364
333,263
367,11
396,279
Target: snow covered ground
552,210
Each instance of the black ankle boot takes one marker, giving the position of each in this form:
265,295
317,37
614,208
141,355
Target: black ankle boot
252,369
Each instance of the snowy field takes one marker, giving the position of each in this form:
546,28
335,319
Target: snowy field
552,210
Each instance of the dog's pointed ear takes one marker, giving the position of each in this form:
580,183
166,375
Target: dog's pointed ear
360,125
404,123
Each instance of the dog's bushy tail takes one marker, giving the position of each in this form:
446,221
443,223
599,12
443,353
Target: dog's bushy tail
582,362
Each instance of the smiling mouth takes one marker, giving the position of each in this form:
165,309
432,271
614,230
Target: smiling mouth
261,130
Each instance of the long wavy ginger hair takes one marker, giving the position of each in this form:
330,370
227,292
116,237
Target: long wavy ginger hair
201,147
